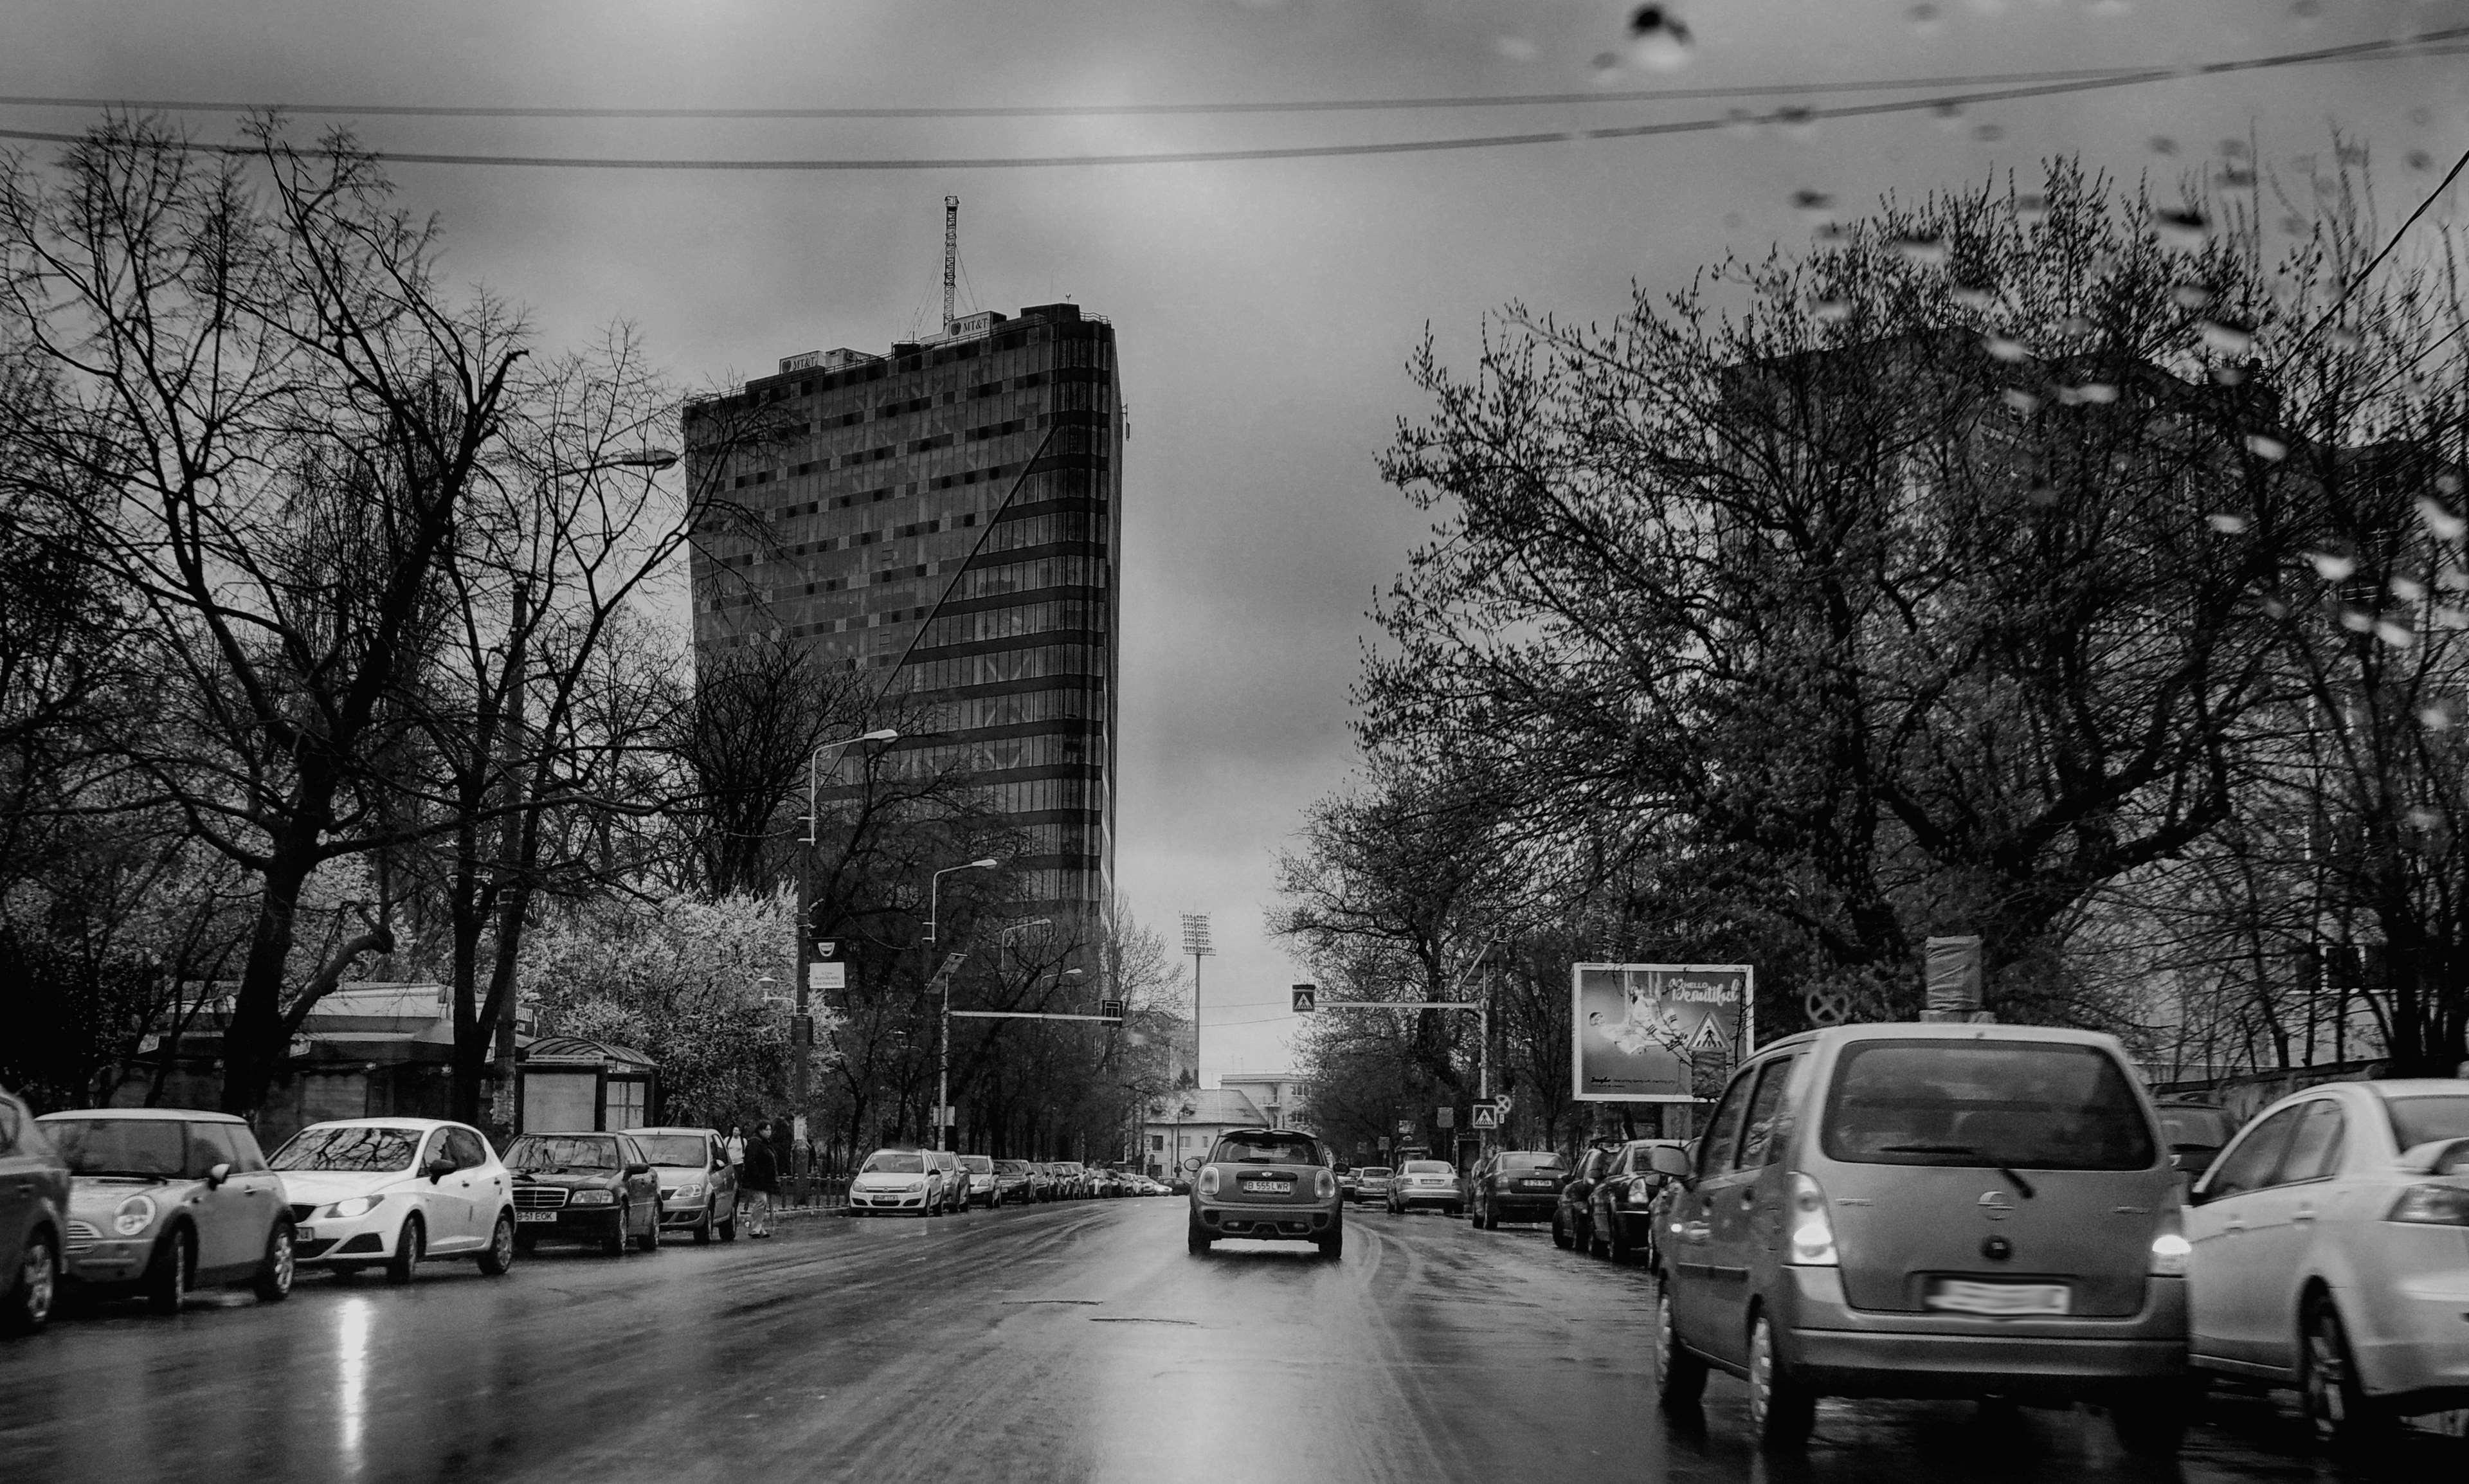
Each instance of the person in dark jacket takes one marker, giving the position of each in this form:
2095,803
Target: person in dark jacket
757,1179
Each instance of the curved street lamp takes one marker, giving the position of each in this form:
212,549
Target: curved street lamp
943,1057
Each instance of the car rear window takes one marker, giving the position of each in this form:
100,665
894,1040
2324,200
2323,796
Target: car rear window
1522,1159
2427,1117
1376,1173
1265,1149
2028,1104
893,1162
154,1146
1416,1166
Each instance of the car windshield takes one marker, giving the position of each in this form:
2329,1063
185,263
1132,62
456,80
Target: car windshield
893,1162
350,1149
1010,1166
1527,1159
688,1150
560,1152
1266,1149
2203,1128
977,1164
156,1148
1427,1167
1985,1105
2428,1117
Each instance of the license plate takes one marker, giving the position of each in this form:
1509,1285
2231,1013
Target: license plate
1534,1185
535,1215
1268,1188
304,1234
2003,1300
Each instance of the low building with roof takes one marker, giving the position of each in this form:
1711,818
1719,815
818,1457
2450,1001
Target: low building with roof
1183,1125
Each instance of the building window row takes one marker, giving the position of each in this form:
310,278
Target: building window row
992,754
995,623
1053,571
971,713
996,666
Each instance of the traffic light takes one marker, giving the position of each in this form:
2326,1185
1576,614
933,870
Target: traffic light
1111,1009
1307,999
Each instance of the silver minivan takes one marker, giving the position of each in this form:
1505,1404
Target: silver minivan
1956,1209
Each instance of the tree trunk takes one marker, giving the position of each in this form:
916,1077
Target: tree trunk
255,1042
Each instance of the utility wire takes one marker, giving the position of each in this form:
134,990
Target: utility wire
2355,52
2377,261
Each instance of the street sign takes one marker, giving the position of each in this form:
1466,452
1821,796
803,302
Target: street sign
1111,1009
1448,1117
952,963
1307,999
1486,1116
946,1115
1405,1127
1502,1103
827,948
826,976
1384,1144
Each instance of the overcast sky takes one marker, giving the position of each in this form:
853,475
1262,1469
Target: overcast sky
1263,309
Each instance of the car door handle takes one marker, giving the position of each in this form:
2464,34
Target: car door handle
1748,1198
2302,1214
2233,1225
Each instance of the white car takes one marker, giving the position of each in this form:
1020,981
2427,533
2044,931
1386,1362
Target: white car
918,1182
2330,1252
397,1191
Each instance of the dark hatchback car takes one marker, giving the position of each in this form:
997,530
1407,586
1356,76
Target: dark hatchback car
1271,1184
1517,1185
1573,1218
585,1186
1624,1203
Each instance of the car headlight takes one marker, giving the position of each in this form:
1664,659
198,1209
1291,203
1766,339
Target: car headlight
693,1191
352,1206
911,1185
134,1215
595,1199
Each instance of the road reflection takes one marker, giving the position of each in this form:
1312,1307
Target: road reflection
353,1320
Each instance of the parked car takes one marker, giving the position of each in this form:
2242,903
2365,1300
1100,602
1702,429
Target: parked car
1348,1179
165,1200
2330,1252
397,1191
1270,1184
33,1220
1074,1178
1573,1219
1951,1210
1014,1183
698,1184
2195,1133
1516,1185
1371,1183
918,1182
983,1189
597,1188
1621,1208
1425,1182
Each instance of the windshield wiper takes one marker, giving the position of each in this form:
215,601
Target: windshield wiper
2021,1184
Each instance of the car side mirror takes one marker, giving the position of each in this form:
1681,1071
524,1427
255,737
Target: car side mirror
216,1175
638,1169
438,1168
1665,1160
1192,1166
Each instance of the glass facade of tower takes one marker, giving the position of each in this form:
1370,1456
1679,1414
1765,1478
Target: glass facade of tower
946,517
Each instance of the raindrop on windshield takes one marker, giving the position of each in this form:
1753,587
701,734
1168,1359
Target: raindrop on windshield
2399,635
2099,393
2074,325
2227,524
2332,565
2419,159
2356,620
2435,718
2425,817
1514,48
1921,248
2226,336
1658,38
1988,134
2442,523
2270,450
1927,20
2022,400
1946,113
1830,312
2162,144
2193,297
2406,589
2004,348
2183,230
1814,204
2031,207
1972,296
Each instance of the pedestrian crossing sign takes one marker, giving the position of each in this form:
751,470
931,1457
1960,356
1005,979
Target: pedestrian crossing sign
1485,1116
1307,999
1709,1037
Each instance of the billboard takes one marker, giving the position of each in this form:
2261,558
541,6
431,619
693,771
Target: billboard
1639,1030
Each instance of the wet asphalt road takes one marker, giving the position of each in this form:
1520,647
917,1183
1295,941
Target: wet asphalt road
1072,1342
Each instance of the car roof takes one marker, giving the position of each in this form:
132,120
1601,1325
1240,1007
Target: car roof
2415,1086
568,1133
1944,1031
673,1129
424,1125
156,1115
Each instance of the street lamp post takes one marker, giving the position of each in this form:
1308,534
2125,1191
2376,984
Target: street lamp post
801,1020
943,1053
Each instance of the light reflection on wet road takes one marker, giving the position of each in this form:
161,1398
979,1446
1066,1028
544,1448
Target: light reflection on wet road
1062,1342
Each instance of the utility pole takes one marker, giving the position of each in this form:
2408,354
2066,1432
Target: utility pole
801,1020
951,256
1195,943
950,963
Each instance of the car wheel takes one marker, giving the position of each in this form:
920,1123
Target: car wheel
499,1254
273,1284
1781,1406
1596,1246
167,1277
1560,1233
649,1241
1618,1248
729,1228
703,1229
1333,1246
409,1247
1196,1238
2343,1416
28,1305
1679,1374
621,1232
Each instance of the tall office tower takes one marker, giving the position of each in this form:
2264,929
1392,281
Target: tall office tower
945,520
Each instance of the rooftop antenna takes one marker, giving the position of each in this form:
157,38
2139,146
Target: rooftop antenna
951,254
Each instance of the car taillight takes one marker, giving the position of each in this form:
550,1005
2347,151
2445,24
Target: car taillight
2170,1247
2432,1205
1327,1185
1813,1230
1209,1181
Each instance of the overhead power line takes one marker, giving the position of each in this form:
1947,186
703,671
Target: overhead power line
2433,42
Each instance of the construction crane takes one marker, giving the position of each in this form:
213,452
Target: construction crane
951,256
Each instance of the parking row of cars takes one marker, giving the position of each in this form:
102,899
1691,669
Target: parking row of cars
936,1182
2003,1213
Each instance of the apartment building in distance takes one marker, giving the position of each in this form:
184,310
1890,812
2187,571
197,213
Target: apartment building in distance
946,518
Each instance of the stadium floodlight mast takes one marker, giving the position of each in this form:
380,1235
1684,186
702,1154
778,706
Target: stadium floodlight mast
801,1019
1195,943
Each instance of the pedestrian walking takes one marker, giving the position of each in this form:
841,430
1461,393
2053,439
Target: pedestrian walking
735,1145
757,1179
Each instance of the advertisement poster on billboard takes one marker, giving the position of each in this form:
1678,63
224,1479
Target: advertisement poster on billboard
1640,1031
